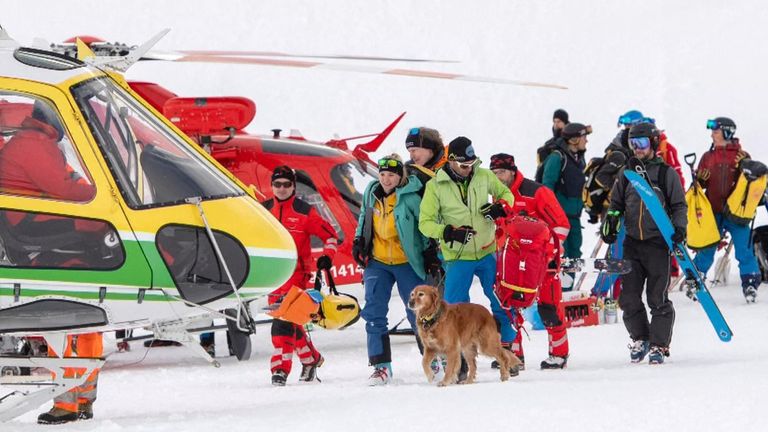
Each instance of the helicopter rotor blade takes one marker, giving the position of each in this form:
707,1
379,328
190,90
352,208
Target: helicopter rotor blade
359,68
315,56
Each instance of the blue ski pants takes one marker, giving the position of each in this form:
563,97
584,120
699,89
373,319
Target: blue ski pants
379,279
745,255
458,279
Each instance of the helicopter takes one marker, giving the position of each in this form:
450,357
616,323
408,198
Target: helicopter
112,218
331,175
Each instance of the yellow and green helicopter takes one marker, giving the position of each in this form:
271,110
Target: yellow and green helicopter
111,218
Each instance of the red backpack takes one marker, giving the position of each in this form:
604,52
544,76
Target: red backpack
526,248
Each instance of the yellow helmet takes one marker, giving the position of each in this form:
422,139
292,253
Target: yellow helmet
338,311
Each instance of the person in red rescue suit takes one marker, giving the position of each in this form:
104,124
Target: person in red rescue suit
539,202
32,164
302,221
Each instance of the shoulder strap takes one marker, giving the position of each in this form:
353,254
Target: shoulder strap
662,183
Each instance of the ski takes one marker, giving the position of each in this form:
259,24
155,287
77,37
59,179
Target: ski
651,200
603,265
595,252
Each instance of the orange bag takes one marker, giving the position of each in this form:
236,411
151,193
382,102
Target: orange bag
297,307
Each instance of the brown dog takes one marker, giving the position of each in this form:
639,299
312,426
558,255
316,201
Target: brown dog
452,330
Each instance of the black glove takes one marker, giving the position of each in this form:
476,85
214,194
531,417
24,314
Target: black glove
610,228
432,264
593,218
324,263
462,234
679,235
493,211
357,252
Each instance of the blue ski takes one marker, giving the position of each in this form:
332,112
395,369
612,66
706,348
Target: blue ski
651,200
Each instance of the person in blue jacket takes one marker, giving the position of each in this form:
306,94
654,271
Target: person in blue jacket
391,249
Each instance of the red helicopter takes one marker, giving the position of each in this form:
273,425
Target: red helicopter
331,175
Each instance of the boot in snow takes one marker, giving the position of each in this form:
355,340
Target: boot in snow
85,411
382,375
554,362
57,416
309,371
278,378
657,354
638,350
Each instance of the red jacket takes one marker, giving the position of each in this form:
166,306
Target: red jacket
303,221
668,152
723,173
32,164
539,202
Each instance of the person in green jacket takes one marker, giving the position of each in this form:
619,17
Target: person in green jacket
390,248
564,174
456,211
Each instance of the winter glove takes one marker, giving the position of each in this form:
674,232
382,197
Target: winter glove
493,211
679,235
703,174
610,228
740,156
357,252
462,234
593,218
324,263
432,265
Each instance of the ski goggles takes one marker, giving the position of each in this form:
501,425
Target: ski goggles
629,120
640,143
389,163
282,184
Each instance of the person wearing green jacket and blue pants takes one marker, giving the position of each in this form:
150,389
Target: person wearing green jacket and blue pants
389,246
456,211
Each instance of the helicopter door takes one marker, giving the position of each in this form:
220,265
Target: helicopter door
61,231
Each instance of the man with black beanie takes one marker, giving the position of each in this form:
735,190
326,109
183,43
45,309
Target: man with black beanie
455,210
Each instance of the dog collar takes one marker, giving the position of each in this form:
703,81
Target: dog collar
429,321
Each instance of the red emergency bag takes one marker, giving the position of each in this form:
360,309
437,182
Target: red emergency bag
526,249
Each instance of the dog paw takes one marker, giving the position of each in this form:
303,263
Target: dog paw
442,384
431,378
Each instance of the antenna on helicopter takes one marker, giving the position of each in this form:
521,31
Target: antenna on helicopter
120,63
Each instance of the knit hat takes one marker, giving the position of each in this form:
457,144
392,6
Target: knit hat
284,172
561,115
424,137
503,161
575,130
461,150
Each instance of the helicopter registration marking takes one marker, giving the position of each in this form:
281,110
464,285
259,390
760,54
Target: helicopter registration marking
342,270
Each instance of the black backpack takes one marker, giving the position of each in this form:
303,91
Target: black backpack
542,153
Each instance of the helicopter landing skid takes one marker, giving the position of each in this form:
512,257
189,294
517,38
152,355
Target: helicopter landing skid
19,401
176,331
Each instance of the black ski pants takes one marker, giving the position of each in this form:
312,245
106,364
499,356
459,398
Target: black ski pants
650,270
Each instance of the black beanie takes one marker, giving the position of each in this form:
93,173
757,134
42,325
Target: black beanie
461,150
284,172
417,138
392,165
561,114
503,161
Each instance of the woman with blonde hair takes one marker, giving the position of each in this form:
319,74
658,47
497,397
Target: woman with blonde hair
389,246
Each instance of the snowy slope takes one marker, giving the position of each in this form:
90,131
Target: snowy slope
680,62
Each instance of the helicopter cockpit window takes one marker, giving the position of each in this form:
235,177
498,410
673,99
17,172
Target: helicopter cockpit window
306,190
38,240
351,179
152,165
37,157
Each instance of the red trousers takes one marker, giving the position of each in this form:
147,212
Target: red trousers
550,297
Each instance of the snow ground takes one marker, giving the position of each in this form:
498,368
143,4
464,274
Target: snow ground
680,62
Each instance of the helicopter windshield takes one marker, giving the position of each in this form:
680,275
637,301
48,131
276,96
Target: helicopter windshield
351,179
152,165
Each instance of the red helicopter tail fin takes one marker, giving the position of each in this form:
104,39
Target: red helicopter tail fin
373,145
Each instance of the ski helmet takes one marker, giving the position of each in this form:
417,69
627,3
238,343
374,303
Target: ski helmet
630,118
575,130
725,124
645,130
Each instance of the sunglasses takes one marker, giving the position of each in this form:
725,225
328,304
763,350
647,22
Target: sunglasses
640,143
284,185
389,163
465,165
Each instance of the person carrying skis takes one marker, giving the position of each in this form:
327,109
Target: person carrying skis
427,151
717,173
563,173
536,201
644,246
302,221
455,211
390,248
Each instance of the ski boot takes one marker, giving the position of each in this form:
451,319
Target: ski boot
749,284
309,371
438,368
690,288
85,410
57,416
750,294
279,378
382,375
638,350
657,354
554,362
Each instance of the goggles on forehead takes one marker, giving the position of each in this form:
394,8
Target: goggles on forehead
713,124
389,163
640,143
